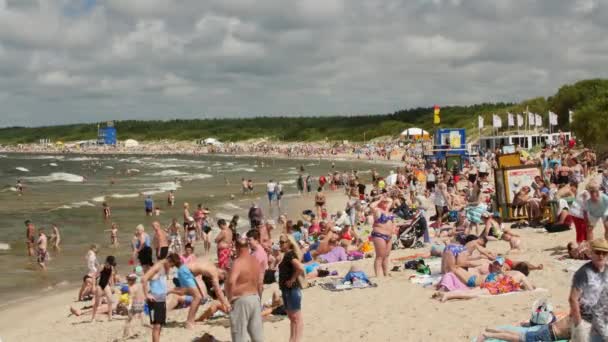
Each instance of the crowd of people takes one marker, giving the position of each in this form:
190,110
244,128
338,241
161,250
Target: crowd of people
456,217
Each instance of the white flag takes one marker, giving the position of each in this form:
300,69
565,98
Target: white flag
496,121
552,118
538,120
510,120
570,116
520,120
530,119
480,121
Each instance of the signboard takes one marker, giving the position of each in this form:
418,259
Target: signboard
517,178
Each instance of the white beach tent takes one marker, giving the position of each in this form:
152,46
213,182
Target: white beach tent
212,141
131,143
415,133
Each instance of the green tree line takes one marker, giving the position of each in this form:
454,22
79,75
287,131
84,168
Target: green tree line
588,99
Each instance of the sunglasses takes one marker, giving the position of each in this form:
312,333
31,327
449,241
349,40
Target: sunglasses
283,241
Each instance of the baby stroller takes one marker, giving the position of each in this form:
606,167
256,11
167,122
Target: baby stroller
411,232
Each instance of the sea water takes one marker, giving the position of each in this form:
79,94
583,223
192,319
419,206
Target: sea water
68,190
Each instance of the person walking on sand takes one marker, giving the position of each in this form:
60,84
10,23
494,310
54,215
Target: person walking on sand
30,237
596,210
42,254
242,290
278,191
382,232
589,297
260,255
154,287
291,272
160,241
104,287
319,201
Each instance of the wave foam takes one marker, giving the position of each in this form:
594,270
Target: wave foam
4,246
99,199
57,176
168,173
291,181
82,159
22,169
161,188
53,164
124,195
109,167
197,176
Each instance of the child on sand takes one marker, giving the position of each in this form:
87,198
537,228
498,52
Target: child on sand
136,303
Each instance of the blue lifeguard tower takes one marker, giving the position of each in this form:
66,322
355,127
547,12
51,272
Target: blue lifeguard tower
106,135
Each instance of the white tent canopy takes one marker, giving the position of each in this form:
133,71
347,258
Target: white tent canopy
211,141
412,132
131,143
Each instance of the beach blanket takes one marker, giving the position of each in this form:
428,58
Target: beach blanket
338,285
425,280
412,257
538,289
512,328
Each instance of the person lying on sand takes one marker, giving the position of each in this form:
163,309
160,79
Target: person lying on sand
493,230
578,251
555,331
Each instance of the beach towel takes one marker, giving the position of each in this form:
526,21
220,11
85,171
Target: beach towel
538,289
412,257
450,282
474,212
339,286
425,280
518,329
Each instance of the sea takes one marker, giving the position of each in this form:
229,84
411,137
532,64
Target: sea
68,190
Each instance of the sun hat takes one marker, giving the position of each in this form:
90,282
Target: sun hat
599,245
499,260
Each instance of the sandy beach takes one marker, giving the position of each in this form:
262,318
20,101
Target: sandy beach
396,310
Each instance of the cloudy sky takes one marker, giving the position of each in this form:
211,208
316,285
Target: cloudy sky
65,61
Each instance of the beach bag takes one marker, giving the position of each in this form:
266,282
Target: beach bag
542,313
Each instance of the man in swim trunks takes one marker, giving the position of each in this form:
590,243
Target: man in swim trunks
242,290
160,241
41,252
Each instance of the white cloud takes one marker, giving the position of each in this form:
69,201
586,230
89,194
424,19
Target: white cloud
59,78
166,58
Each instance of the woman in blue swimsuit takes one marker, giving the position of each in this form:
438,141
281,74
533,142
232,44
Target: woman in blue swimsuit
382,234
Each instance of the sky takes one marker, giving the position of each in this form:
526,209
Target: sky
73,61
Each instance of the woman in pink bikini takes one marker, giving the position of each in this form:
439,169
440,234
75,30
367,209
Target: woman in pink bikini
382,233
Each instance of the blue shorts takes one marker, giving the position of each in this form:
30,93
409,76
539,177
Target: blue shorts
543,333
270,196
292,299
185,277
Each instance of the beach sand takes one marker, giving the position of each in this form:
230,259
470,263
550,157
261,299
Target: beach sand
396,310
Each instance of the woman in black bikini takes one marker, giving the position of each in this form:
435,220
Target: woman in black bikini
104,287
382,232
319,201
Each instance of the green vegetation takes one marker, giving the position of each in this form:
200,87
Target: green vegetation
589,100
